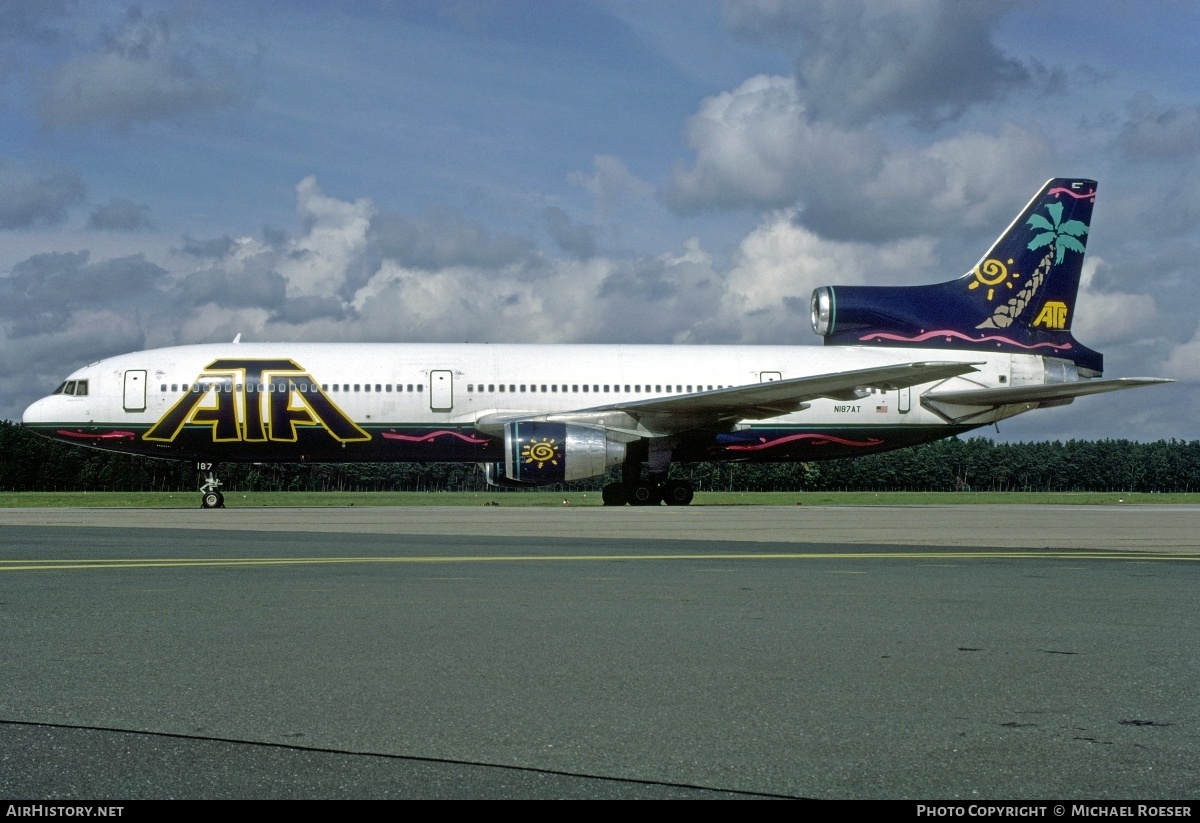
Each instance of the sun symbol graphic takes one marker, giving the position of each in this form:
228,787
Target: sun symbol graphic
542,452
992,273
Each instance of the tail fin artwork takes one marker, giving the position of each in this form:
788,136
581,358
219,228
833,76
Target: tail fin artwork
1020,297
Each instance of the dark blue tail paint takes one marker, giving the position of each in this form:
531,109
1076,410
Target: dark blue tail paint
1019,298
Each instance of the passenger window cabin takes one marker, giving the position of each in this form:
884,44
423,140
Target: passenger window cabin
79,387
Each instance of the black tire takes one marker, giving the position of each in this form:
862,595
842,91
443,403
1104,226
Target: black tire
211,500
644,494
677,492
614,494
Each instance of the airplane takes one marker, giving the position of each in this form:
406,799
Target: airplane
899,366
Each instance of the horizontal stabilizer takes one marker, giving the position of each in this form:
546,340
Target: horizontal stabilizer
1042,393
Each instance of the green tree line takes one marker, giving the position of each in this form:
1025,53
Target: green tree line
32,463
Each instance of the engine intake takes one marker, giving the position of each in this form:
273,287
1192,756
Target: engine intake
822,310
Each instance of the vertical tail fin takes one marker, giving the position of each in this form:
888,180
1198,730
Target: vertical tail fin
1047,238
1019,297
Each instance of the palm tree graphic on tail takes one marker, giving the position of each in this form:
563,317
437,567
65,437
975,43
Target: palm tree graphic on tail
1060,237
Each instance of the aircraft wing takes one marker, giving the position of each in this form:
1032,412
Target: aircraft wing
755,401
1039,393
758,401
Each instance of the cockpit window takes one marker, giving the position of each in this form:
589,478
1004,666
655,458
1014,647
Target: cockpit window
76,388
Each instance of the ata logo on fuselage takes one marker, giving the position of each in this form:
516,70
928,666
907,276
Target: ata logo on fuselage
255,401
1053,315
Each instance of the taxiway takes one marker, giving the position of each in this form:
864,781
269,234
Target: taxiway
936,652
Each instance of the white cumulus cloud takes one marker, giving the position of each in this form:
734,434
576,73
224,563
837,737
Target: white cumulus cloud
1103,317
336,234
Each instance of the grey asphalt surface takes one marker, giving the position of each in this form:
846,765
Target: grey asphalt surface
321,653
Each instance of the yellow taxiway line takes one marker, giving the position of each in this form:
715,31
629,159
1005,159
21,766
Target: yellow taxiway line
225,562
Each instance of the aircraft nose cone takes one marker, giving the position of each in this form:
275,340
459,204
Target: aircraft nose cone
40,411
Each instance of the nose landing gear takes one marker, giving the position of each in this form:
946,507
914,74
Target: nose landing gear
210,484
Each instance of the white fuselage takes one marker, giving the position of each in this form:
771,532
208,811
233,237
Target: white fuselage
432,384
288,402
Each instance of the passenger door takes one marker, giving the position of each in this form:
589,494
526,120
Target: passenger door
135,391
441,390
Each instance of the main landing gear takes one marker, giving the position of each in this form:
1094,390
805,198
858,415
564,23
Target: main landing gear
653,491
210,484
648,493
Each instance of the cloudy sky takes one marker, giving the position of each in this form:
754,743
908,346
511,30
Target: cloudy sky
529,171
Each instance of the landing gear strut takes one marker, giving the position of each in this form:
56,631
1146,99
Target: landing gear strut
210,484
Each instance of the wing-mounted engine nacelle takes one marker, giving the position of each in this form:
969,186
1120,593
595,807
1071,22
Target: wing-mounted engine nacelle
537,452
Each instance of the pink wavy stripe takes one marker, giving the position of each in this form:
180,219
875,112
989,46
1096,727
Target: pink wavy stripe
948,333
431,436
824,438
1061,190
119,435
